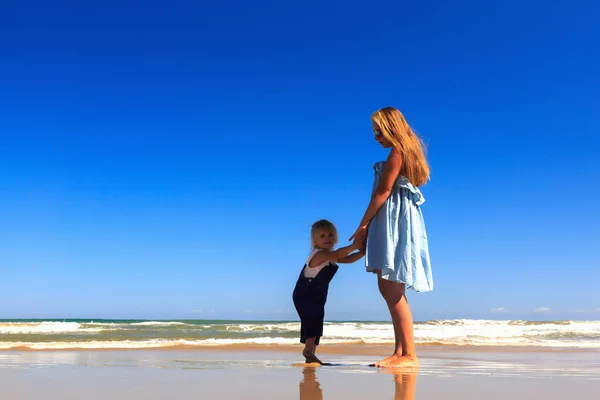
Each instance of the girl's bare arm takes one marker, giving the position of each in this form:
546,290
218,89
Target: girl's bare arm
324,256
390,173
354,257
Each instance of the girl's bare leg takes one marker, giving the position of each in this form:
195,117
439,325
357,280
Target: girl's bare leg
384,289
404,352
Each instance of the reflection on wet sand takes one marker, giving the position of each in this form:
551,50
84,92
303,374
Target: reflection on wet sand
404,385
310,389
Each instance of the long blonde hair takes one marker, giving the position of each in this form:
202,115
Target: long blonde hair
394,128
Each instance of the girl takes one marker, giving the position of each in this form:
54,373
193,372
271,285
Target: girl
310,293
397,247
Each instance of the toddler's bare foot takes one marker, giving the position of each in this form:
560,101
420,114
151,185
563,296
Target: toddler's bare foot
311,357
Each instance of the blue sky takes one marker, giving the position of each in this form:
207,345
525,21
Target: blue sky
166,159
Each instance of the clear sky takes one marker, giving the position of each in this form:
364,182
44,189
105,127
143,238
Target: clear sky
166,159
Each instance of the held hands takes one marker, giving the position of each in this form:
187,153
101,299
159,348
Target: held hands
361,246
360,235
353,255
360,239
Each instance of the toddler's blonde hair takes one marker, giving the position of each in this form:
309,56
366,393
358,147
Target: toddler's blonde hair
322,224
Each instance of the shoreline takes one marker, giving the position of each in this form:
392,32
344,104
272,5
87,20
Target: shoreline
342,349
212,335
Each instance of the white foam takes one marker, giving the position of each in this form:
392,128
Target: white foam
582,334
156,323
281,327
146,344
477,332
43,327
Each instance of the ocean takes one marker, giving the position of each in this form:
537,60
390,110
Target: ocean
51,334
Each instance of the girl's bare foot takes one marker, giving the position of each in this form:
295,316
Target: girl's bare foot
386,360
398,361
311,357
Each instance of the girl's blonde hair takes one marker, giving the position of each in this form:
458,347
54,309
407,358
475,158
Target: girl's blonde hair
322,224
394,128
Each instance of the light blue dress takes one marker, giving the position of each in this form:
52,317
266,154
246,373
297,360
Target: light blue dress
397,240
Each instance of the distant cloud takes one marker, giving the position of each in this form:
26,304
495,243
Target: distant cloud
499,310
196,311
542,310
597,309
580,311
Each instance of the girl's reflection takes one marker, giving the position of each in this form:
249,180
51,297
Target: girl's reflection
404,385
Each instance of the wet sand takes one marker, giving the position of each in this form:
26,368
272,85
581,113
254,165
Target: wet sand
268,373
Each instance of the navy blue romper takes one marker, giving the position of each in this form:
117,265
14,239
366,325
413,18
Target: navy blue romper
310,295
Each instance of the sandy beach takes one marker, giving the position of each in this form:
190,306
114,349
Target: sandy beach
273,372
